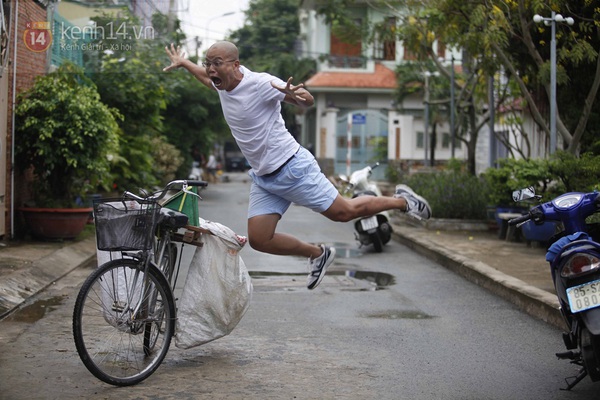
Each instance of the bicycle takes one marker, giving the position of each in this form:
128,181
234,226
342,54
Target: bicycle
124,315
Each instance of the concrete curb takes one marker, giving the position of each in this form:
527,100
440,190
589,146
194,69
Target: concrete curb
536,302
24,283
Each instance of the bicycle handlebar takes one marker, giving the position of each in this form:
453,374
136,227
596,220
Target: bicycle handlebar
160,194
195,183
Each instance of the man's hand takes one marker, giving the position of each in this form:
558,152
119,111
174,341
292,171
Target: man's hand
291,90
177,56
295,94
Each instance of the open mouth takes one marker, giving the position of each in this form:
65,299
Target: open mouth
217,81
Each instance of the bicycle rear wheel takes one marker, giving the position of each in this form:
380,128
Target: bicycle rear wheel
114,308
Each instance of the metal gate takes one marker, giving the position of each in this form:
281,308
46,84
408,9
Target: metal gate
369,130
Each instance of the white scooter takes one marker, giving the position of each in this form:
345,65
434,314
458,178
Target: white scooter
375,229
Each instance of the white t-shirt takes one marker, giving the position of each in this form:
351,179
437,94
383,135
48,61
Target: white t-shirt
253,112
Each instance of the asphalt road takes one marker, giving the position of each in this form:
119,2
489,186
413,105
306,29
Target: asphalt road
380,326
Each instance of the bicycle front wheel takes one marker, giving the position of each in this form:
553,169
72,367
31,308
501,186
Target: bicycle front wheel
117,307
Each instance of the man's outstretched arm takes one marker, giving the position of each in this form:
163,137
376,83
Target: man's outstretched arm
177,57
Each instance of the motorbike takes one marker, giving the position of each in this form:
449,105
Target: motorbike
574,257
373,230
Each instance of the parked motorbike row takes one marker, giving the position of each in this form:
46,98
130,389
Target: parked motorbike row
574,257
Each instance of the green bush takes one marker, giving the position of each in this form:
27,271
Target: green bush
564,172
456,194
452,194
513,175
575,174
68,136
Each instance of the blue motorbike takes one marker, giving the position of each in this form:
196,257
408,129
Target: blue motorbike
574,257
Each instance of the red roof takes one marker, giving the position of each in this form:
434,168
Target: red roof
381,78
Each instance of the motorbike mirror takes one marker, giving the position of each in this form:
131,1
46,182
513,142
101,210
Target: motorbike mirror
525,194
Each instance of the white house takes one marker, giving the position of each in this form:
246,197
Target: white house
359,80
355,83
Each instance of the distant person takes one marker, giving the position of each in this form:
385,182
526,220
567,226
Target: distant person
211,167
282,171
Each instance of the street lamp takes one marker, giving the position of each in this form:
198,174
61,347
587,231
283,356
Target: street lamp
212,19
552,22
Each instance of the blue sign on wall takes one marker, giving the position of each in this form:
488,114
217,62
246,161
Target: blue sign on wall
359,119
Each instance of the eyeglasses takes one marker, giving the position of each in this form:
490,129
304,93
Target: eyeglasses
216,63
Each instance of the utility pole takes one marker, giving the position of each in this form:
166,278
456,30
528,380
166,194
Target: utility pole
198,44
171,16
426,160
452,106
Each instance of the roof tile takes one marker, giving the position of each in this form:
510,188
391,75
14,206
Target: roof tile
381,78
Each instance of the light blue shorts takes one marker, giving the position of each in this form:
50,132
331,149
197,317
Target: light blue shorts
300,181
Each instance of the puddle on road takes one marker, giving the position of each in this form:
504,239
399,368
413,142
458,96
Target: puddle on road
379,279
399,314
345,250
35,311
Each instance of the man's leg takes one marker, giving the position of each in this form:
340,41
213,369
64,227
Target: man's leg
262,237
405,199
343,209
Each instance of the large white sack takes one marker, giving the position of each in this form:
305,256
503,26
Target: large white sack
217,290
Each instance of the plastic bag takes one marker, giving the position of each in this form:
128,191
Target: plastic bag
217,290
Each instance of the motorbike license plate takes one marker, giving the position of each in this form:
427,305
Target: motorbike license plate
584,297
369,223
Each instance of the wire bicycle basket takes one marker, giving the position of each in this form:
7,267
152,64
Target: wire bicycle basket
125,225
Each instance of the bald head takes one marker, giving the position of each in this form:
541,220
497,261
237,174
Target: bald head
224,49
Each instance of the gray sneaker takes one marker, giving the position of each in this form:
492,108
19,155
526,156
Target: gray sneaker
318,266
416,206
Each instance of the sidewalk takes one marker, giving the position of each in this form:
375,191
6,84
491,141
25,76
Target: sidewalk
26,268
513,271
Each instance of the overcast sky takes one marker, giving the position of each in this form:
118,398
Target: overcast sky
204,18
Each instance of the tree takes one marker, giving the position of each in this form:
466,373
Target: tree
411,80
578,65
510,39
502,38
166,116
192,119
416,30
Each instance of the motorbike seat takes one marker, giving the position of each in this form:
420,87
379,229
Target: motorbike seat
172,219
365,193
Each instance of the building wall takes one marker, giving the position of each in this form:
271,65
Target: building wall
80,14
145,9
22,71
